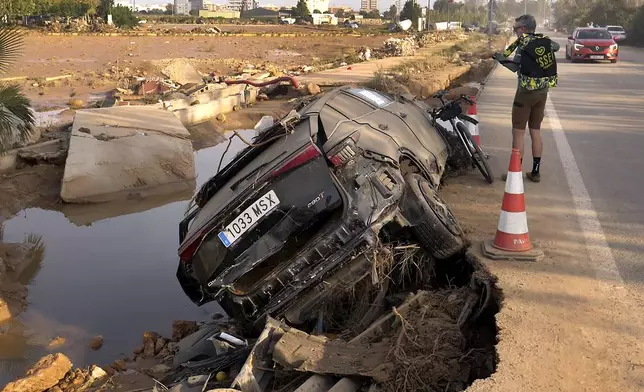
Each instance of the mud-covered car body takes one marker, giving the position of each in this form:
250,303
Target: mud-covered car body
312,201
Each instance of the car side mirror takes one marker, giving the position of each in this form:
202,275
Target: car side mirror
570,37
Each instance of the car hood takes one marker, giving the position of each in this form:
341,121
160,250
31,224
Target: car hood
599,42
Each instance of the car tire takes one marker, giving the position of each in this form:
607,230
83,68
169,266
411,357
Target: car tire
614,61
438,231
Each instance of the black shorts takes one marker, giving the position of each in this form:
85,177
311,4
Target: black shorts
529,109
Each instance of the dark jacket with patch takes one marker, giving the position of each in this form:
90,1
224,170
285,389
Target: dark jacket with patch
535,59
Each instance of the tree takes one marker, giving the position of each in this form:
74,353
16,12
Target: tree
316,11
124,17
17,7
105,8
302,10
411,10
373,14
636,31
193,13
440,6
169,9
391,13
339,13
16,118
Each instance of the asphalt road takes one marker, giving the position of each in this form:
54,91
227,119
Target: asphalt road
598,111
601,111
577,313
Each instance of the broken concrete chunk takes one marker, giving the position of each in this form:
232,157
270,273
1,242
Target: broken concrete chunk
313,89
183,328
149,344
56,342
159,345
77,103
43,375
306,353
96,374
96,343
119,365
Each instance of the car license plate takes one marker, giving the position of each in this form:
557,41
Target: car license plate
596,57
247,219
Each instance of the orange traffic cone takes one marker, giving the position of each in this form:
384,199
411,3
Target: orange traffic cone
512,240
474,128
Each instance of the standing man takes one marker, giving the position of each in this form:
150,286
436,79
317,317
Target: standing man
536,67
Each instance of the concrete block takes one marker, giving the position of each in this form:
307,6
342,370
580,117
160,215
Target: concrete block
206,111
126,152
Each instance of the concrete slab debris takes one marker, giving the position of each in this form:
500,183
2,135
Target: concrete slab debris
205,111
126,152
208,93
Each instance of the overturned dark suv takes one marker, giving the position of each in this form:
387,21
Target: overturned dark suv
293,212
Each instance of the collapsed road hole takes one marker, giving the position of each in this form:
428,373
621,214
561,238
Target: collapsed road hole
445,315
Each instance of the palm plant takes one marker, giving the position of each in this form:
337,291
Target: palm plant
16,117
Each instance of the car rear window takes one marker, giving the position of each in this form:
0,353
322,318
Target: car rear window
372,96
593,34
617,29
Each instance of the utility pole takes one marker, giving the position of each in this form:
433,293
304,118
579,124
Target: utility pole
525,7
429,5
490,18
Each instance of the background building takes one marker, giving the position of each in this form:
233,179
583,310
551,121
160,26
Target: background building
368,5
320,5
181,7
345,8
242,5
197,5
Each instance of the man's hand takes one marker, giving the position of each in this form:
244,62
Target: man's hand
499,57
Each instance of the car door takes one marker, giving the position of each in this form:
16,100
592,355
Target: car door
571,42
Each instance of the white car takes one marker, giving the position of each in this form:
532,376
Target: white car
618,32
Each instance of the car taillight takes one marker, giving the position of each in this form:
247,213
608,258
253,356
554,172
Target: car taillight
304,156
343,153
187,252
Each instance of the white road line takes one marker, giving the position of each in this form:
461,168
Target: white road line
598,250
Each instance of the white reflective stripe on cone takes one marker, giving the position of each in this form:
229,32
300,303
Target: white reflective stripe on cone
514,183
513,222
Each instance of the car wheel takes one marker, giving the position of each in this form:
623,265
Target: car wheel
613,61
438,231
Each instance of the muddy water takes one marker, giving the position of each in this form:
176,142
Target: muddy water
108,270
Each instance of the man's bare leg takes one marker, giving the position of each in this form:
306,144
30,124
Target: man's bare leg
518,137
537,149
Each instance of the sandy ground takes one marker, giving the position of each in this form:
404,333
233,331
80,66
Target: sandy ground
93,70
264,28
